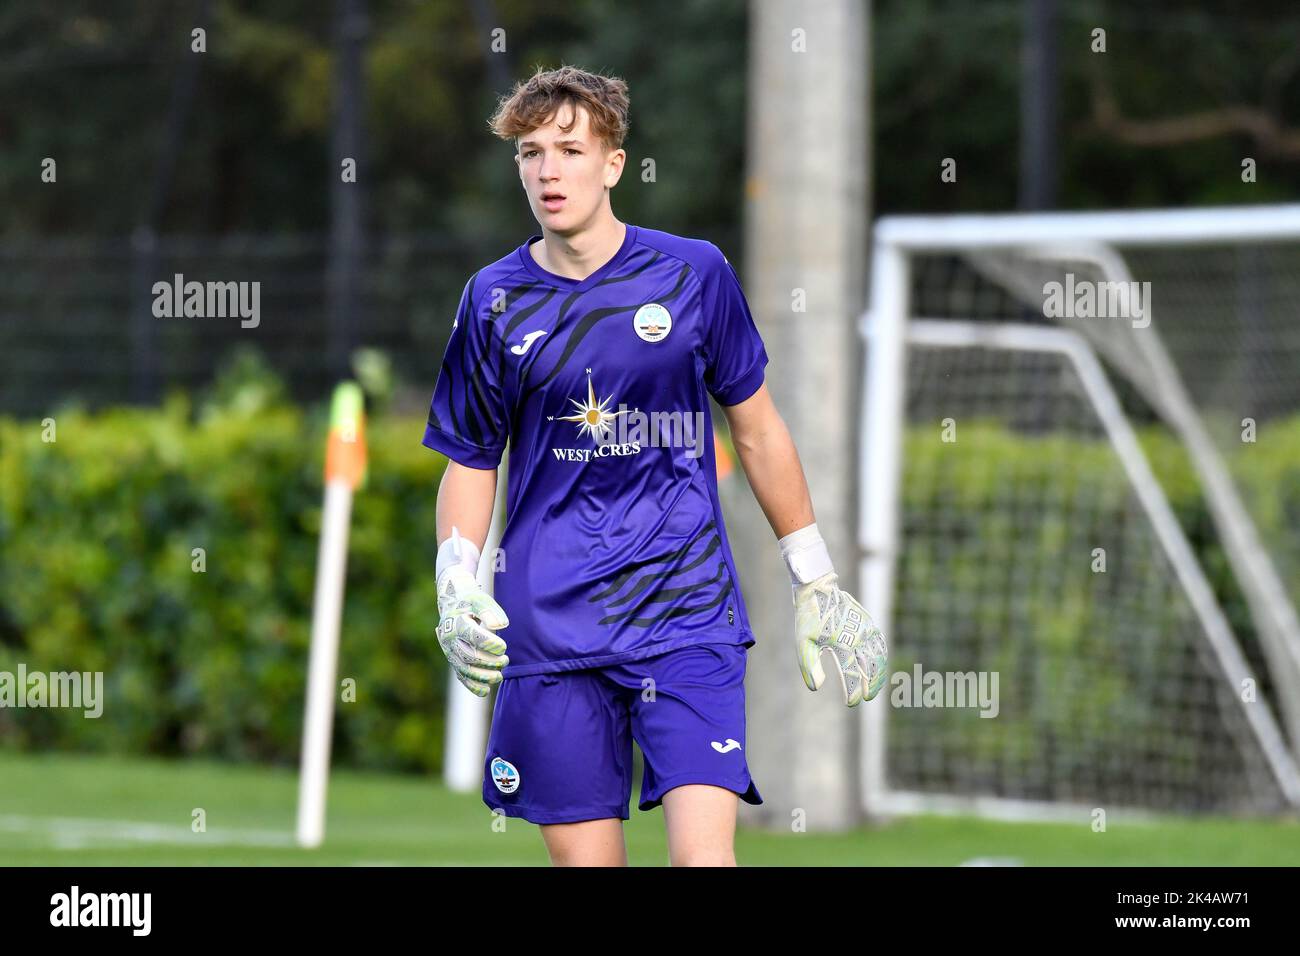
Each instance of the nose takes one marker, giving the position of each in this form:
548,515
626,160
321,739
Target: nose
544,172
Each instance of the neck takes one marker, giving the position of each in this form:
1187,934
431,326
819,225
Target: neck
579,254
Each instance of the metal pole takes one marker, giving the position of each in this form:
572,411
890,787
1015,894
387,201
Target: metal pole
346,228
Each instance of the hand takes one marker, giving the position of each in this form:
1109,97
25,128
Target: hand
826,617
467,618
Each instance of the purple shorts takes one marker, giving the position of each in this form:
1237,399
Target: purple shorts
560,750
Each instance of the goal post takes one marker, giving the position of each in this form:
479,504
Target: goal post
1100,695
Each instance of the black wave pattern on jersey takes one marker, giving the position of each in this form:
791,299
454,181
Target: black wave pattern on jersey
459,380
589,320
475,408
648,583
514,321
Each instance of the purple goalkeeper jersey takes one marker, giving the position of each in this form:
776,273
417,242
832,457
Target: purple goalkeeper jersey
614,547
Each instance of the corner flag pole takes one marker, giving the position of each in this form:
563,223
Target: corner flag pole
345,471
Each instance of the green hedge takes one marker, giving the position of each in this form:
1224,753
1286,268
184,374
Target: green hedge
96,535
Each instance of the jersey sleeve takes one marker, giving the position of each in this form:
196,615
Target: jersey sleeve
734,352
468,418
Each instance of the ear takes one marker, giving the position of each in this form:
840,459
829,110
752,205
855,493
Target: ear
614,167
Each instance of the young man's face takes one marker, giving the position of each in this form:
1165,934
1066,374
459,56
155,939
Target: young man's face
566,174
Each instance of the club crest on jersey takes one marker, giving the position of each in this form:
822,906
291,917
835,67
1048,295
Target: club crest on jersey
504,775
652,322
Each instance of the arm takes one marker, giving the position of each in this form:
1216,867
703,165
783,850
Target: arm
472,439
826,618
771,462
465,499
468,617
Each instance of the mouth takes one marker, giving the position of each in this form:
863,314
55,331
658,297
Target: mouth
553,201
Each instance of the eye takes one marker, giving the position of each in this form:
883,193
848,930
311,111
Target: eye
571,150
529,152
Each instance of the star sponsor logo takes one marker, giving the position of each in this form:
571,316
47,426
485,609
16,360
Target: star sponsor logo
627,431
592,417
594,420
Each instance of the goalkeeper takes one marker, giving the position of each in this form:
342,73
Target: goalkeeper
592,349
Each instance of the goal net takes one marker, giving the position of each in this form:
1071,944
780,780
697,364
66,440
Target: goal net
1081,512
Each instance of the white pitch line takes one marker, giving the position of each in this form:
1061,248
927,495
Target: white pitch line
82,832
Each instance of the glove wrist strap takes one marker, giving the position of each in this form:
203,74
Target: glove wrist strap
805,555
457,551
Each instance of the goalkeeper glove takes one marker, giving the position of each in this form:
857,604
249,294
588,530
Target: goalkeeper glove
829,618
467,618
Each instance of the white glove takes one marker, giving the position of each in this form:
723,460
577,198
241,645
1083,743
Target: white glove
467,618
827,617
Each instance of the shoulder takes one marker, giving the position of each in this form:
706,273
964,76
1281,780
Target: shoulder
703,257
505,273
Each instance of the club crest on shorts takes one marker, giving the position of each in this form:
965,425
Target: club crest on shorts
652,322
504,775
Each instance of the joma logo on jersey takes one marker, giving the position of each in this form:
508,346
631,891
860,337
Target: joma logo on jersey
628,430
523,347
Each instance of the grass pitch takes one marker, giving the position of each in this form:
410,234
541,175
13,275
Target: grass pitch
74,810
